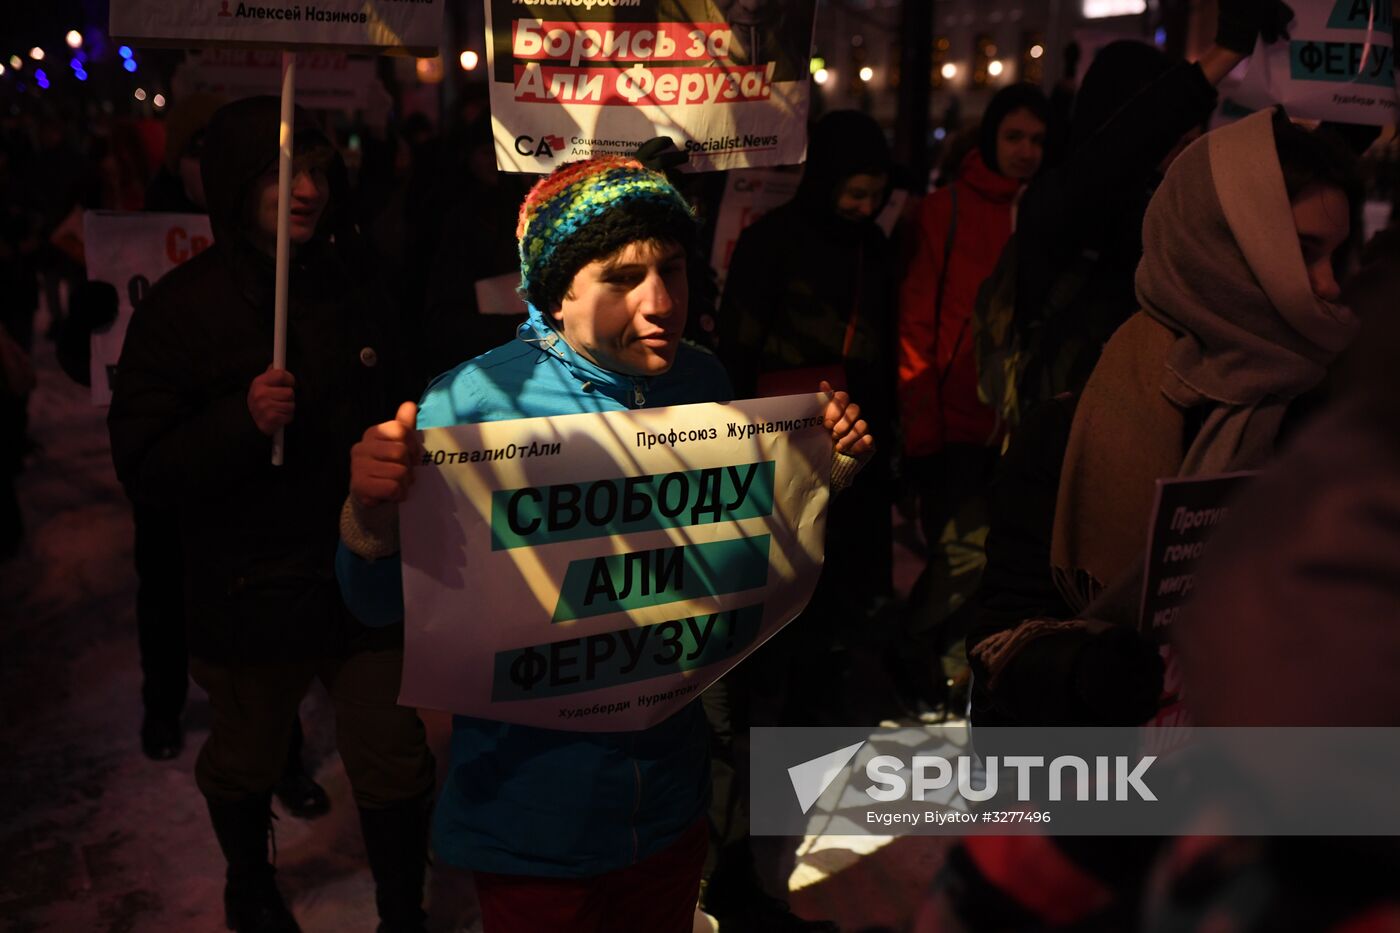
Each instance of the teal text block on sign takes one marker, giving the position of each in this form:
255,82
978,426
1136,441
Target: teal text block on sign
622,582
629,655
538,515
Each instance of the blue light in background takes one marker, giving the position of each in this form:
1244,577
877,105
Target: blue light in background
1160,36
41,79
80,75
124,51
129,65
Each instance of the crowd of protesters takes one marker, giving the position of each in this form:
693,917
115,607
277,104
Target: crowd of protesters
1073,312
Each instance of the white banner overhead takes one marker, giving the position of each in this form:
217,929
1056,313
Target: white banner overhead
132,251
727,80
748,195
409,26
1337,64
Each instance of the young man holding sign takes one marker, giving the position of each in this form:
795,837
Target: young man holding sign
194,408
570,831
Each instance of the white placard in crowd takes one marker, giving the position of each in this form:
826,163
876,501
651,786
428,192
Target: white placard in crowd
414,26
132,251
596,572
748,195
1338,64
325,80
727,80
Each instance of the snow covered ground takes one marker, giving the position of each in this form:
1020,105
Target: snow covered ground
93,836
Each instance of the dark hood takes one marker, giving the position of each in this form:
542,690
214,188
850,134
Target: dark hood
1119,71
842,144
240,144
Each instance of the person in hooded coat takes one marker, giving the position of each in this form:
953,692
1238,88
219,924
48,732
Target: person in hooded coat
951,438
1079,226
157,551
194,408
809,295
1291,625
1239,321
1237,326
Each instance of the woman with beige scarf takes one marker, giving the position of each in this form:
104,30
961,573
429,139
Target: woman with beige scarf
1238,319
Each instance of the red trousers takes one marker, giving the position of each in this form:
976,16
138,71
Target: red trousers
656,895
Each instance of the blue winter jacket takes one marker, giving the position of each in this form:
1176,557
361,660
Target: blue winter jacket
529,801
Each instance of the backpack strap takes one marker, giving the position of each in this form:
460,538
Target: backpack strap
943,276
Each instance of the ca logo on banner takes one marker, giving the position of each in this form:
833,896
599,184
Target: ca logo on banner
545,148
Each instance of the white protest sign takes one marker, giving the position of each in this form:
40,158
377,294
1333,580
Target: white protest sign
748,195
132,251
1338,64
325,80
596,572
414,26
727,80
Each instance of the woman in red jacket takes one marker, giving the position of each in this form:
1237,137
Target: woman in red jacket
949,435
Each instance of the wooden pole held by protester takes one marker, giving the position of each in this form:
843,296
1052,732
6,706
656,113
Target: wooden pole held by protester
284,231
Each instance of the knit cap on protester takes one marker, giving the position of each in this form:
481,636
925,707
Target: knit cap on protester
584,211
588,210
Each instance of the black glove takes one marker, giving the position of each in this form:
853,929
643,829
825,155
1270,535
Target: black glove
1278,16
1240,22
92,307
1118,677
660,154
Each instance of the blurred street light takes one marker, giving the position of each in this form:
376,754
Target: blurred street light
429,70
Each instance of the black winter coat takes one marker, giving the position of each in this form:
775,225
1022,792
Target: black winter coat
795,281
1047,681
259,540
1095,201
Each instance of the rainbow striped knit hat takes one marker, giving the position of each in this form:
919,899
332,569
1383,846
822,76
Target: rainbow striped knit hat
587,210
